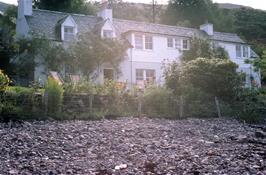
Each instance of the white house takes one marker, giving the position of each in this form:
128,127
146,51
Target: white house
151,43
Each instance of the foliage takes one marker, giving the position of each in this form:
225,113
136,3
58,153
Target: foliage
54,93
20,103
7,40
202,48
195,11
159,101
82,86
251,24
70,6
91,51
260,64
172,75
214,76
4,80
251,105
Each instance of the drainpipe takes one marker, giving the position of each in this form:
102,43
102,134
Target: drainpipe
131,66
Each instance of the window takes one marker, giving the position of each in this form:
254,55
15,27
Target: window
69,33
107,33
148,43
238,51
145,74
245,51
138,41
177,43
185,44
170,43
108,74
139,74
150,75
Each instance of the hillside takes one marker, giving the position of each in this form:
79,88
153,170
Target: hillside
231,6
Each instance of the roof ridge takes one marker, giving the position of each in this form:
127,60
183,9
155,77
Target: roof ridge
226,33
140,22
164,25
66,13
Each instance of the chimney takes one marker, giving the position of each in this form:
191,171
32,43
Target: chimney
24,8
106,11
208,28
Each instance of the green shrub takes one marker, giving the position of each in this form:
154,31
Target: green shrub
4,80
54,92
83,86
198,103
159,102
251,105
20,103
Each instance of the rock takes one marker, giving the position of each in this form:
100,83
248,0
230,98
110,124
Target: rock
148,146
260,134
120,167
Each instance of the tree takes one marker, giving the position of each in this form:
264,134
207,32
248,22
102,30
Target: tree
194,11
214,76
202,48
251,23
260,65
91,51
201,82
7,35
70,6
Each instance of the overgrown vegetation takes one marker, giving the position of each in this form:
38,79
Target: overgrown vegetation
54,92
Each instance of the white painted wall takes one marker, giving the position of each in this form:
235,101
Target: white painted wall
248,69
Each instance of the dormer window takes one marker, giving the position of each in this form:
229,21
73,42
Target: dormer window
107,33
69,33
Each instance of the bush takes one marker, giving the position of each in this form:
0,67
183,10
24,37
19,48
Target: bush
4,80
83,86
159,102
251,106
120,103
54,92
20,103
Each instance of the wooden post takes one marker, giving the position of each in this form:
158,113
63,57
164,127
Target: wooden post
45,104
181,107
90,102
218,107
140,103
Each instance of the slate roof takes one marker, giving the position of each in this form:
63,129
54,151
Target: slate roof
3,7
44,22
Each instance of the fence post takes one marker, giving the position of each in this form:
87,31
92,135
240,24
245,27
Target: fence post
45,103
90,102
218,107
181,106
140,98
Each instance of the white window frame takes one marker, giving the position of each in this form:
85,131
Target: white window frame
139,44
69,36
170,42
108,34
183,41
140,77
177,43
145,76
238,51
148,39
144,43
242,51
245,52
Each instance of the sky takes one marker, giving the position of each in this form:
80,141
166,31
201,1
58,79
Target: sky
258,4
